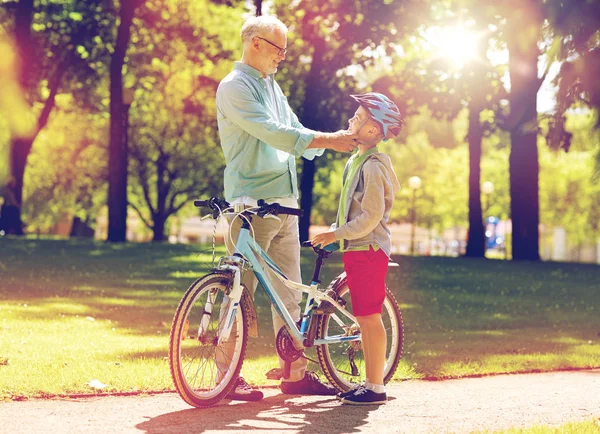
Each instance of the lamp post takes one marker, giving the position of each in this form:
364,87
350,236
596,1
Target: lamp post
128,97
487,188
414,183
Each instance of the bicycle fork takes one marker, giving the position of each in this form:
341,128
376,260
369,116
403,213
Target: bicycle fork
229,307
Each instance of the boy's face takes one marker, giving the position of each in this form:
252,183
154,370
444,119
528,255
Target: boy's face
368,132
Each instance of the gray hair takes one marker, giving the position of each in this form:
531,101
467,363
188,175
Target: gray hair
259,25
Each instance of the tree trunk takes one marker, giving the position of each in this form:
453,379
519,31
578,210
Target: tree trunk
159,228
258,4
311,119
476,233
118,155
306,197
523,126
25,45
20,147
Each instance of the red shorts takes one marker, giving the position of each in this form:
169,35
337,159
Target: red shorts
366,271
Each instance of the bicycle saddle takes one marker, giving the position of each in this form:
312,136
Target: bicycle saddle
329,248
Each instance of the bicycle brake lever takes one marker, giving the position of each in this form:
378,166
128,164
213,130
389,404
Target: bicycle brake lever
206,217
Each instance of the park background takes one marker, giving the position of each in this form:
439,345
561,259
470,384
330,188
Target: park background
108,126
109,115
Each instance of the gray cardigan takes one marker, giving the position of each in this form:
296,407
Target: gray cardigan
370,199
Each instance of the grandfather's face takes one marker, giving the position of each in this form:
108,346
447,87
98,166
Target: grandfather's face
271,50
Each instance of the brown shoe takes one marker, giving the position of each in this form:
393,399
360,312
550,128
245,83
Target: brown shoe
309,385
243,392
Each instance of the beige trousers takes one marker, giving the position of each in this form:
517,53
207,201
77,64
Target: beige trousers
281,241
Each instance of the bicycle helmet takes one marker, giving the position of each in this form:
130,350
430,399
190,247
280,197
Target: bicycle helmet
383,111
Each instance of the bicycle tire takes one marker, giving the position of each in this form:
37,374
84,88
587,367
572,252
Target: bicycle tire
331,364
187,318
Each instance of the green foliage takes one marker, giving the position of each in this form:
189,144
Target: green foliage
568,197
330,43
581,125
577,26
180,49
67,170
326,193
72,40
176,59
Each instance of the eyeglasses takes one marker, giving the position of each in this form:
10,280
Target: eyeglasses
281,52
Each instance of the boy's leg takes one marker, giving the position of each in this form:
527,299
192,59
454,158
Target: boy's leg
374,346
366,272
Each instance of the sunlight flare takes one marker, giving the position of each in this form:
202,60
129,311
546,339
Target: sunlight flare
457,43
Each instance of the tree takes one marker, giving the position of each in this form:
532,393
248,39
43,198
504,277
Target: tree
571,26
447,86
523,32
117,151
14,110
175,156
520,28
57,44
177,57
66,174
577,23
329,38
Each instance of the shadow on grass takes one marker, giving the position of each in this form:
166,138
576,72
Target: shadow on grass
453,309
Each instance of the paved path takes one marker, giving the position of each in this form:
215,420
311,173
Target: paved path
457,406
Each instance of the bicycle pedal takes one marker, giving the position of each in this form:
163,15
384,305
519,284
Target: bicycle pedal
274,374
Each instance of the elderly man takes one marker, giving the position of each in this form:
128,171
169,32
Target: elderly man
261,138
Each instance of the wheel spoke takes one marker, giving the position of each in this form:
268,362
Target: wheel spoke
335,358
201,369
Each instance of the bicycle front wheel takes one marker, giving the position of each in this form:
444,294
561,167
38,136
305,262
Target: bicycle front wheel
204,370
343,362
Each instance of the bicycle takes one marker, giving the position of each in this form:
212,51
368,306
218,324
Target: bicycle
210,329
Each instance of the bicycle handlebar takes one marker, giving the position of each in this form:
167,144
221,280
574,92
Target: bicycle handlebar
275,208
217,204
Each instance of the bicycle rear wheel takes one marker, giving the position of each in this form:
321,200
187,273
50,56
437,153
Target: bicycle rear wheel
203,370
343,363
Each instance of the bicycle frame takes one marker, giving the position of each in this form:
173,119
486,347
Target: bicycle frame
249,249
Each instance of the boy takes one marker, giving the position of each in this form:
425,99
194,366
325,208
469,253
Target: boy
368,189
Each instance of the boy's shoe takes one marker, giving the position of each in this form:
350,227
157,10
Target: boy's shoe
349,392
364,396
309,385
243,392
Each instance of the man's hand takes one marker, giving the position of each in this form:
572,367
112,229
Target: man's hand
344,141
340,141
323,239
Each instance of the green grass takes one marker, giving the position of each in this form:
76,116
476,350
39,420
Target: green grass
76,311
588,427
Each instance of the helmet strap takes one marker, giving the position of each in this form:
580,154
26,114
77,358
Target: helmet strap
375,139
